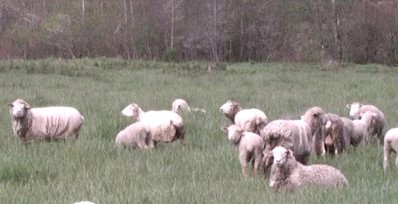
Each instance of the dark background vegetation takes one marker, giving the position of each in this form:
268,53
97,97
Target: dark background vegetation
359,31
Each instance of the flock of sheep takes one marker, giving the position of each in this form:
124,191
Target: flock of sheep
281,148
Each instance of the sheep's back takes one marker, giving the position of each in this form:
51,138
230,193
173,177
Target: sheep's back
322,175
55,121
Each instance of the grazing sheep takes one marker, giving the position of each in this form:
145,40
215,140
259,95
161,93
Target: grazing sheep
249,147
390,145
250,120
296,135
49,123
181,105
357,109
137,134
288,174
159,122
83,202
333,135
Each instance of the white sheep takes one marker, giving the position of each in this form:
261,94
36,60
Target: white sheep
248,146
390,145
363,127
137,134
288,174
296,135
49,123
250,120
181,105
165,125
358,109
349,138
84,202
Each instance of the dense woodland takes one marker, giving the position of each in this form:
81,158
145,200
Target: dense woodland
359,31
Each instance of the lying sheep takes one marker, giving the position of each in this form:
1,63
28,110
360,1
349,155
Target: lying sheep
357,109
181,105
390,145
49,123
137,134
288,174
296,135
250,120
333,135
249,147
166,126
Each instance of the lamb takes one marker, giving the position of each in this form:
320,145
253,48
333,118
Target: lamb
357,109
166,126
333,135
250,120
181,105
363,127
296,135
248,146
390,145
288,175
137,134
48,123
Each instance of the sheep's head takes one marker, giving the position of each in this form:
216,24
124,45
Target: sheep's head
280,155
234,133
19,108
180,104
132,110
230,108
314,117
354,107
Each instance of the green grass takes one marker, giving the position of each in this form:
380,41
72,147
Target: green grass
207,169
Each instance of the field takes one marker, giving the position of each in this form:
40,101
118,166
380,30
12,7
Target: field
206,170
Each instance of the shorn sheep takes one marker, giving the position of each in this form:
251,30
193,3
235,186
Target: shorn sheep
288,175
296,135
249,147
166,126
356,111
250,120
49,123
135,135
180,104
390,145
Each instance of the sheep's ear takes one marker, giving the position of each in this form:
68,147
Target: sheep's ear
10,105
224,128
27,107
348,106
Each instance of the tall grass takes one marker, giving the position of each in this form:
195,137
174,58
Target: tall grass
207,169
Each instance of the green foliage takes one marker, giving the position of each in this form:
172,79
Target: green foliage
206,170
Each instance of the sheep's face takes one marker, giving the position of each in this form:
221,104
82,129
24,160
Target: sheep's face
180,104
280,155
354,107
234,133
19,109
131,111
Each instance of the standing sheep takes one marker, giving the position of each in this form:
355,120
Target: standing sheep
159,122
358,109
333,135
288,174
49,123
390,145
348,131
137,134
248,146
296,135
250,120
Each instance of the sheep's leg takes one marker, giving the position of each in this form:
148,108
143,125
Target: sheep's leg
257,162
396,161
243,159
387,152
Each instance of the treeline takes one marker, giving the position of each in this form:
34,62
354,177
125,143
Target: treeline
360,31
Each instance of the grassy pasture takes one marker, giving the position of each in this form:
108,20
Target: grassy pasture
207,169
